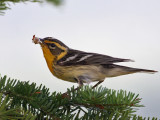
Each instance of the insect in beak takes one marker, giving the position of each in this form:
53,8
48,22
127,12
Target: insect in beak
37,40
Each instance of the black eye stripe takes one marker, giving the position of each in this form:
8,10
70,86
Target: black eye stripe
52,45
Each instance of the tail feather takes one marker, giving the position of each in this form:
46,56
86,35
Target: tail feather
128,60
113,70
144,70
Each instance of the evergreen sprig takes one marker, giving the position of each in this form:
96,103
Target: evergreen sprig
6,112
27,101
5,4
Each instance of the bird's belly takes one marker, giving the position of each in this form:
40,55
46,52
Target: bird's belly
86,73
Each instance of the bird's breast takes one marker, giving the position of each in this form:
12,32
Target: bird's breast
69,73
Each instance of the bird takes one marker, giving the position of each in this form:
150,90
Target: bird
81,67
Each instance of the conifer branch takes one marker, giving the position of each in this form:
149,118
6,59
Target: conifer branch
5,4
83,104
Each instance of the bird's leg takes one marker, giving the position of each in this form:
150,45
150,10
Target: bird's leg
80,83
97,84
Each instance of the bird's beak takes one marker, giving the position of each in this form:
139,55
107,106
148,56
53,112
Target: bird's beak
41,40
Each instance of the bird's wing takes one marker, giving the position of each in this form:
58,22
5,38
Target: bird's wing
75,57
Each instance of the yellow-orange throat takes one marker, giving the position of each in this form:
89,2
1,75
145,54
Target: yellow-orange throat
50,58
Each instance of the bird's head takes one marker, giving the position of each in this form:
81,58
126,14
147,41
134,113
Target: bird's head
51,47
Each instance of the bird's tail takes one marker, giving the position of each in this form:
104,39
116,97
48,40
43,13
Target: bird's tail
117,70
144,70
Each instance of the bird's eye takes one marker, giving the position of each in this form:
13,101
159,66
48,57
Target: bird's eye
52,46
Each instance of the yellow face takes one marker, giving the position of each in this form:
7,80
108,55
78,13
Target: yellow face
53,48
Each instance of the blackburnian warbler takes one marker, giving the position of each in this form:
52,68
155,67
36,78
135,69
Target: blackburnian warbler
81,67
